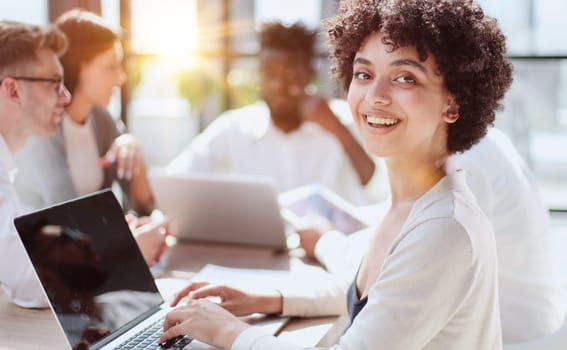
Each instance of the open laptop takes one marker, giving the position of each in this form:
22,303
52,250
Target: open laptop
94,276
238,209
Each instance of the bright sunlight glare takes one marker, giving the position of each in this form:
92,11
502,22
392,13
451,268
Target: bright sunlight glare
165,27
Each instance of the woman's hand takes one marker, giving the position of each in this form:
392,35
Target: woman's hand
308,238
310,231
126,152
150,236
237,302
205,321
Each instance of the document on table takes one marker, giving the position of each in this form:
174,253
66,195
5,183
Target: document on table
254,280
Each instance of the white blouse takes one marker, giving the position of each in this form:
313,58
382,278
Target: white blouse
437,288
82,156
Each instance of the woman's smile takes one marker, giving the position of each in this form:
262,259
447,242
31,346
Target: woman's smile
379,123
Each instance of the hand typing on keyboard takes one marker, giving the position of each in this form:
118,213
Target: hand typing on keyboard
176,343
147,339
204,320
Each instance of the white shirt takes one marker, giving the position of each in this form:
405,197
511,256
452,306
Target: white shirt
82,156
532,298
437,289
17,277
245,141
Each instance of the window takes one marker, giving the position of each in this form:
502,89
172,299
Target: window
20,11
535,109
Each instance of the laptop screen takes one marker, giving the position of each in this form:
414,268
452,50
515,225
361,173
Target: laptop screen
89,265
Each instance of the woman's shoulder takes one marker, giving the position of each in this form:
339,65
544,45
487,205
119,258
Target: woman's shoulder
104,124
451,218
101,113
103,119
438,228
449,198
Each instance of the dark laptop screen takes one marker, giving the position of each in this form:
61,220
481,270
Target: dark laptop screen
90,266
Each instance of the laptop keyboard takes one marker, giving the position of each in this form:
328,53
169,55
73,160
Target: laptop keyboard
146,339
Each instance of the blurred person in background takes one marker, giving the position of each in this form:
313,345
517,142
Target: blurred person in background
90,150
292,136
32,99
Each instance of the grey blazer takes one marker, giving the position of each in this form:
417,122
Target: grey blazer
44,178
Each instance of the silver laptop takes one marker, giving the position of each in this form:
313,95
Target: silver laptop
234,209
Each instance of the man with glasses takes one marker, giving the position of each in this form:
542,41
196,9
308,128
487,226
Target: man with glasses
32,98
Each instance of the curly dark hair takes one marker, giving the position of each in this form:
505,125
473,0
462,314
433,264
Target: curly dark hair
468,47
297,37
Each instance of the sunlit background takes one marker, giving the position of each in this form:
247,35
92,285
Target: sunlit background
189,60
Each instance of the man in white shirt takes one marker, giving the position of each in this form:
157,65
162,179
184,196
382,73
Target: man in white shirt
32,99
532,299
292,136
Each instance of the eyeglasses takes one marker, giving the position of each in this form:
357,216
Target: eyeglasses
59,85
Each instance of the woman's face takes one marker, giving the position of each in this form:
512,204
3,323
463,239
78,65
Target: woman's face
99,77
398,103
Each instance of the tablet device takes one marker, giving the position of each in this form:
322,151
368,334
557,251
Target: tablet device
317,200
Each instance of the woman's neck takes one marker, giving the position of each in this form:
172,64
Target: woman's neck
409,180
78,110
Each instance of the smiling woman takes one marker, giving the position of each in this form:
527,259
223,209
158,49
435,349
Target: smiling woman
424,78
395,95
